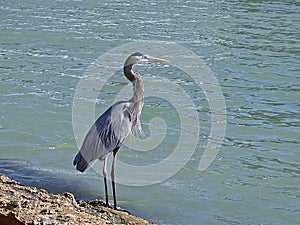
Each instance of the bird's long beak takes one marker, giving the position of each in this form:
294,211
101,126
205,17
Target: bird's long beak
152,59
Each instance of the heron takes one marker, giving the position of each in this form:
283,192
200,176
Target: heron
110,130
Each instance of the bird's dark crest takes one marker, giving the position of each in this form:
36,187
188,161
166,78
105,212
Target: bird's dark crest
137,54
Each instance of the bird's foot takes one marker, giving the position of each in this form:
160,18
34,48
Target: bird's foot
111,206
108,205
121,209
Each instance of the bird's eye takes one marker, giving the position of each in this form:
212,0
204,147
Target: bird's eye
145,57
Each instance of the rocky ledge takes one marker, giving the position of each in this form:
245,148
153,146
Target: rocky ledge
21,205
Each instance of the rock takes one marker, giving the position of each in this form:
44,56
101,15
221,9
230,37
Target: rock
45,211
33,206
10,219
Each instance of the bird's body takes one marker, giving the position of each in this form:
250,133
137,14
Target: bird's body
114,125
102,138
111,128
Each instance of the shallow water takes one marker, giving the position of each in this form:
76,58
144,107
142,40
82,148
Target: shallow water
251,46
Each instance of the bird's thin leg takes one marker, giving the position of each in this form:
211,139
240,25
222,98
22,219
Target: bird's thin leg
105,181
113,177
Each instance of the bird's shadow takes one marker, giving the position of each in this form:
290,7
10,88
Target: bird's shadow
22,172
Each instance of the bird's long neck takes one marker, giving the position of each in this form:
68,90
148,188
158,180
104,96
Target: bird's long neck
137,82
138,95
138,90
128,72
138,102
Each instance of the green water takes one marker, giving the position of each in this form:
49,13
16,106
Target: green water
251,46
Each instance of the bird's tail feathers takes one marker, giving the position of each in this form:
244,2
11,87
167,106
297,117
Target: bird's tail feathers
80,163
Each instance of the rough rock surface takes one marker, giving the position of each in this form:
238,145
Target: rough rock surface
28,205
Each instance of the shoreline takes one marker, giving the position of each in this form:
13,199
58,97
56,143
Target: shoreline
21,204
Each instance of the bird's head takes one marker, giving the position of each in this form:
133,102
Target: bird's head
138,57
134,59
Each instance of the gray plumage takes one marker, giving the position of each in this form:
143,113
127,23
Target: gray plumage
115,124
106,134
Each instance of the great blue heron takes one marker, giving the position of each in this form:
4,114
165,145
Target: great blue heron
114,125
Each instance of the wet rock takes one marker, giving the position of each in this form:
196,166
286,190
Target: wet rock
28,205
96,203
12,204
